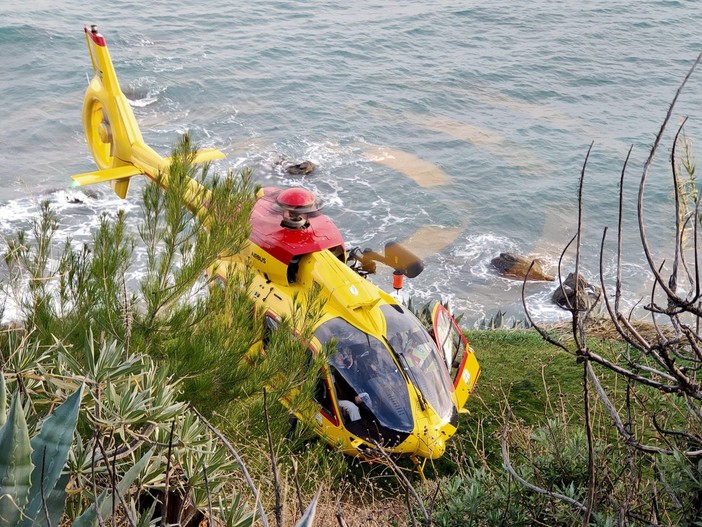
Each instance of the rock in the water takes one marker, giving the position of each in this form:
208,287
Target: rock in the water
565,296
515,266
304,168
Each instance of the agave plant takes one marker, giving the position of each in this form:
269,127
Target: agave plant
424,312
30,469
307,519
32,478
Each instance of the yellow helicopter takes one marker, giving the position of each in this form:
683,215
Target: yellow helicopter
391,383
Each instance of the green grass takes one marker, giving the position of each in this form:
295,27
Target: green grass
520,369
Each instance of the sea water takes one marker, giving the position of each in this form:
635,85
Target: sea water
467,122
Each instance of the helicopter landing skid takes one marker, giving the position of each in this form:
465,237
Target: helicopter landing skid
419,466
378,455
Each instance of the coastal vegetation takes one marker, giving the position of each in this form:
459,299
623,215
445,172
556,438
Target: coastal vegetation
174,414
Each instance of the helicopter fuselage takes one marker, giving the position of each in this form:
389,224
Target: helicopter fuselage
394,390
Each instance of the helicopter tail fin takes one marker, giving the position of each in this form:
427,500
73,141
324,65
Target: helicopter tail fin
113,134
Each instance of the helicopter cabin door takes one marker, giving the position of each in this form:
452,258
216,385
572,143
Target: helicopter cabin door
457,353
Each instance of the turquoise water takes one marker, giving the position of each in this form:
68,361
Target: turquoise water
499,101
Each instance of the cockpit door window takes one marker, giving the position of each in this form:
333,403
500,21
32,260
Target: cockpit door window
459,357
449,338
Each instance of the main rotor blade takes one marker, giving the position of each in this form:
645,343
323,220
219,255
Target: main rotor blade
560,224
432,239
424,173
487,139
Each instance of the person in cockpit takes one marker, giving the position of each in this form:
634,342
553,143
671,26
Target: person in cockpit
347,368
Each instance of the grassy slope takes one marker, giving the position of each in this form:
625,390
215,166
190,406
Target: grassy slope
520,365
515,364
520,368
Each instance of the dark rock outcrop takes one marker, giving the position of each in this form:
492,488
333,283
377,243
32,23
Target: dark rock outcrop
301,169
588,294
512,265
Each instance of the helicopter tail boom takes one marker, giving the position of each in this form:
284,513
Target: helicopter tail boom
114,137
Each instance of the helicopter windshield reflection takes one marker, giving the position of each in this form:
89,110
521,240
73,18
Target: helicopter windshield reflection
421,358
366,377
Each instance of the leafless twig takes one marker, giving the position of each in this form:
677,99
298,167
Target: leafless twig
278,509
525,483
240,462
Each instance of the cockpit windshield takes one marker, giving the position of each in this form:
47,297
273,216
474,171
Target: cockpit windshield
420,357
367,380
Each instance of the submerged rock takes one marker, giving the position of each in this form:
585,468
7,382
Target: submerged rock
588,294
512,265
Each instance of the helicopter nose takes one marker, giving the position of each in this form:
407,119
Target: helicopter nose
437,449
431,444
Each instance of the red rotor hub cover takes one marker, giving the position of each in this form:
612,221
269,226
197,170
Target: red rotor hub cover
296,199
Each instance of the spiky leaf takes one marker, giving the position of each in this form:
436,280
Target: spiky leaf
146,518
3,399
15,464
104,501
55,504
307,519
49,453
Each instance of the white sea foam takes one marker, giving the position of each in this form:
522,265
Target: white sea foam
146,101
144,42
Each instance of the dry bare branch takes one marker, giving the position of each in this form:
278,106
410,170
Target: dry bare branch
405,482
616,418
508,465
642,186
240,462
